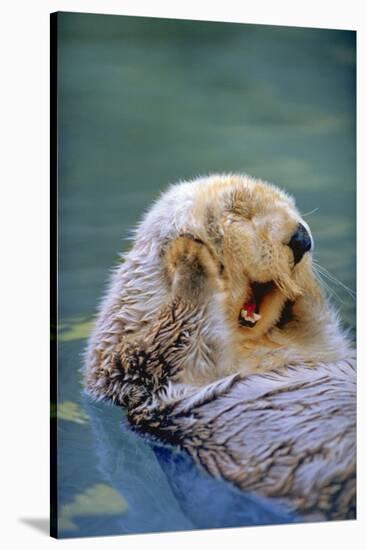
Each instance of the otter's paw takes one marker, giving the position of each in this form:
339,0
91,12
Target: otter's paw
191,269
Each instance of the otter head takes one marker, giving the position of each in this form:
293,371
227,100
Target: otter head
264,246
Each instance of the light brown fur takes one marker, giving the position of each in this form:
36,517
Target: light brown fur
168,329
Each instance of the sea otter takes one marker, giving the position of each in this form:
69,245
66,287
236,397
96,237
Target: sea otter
217,336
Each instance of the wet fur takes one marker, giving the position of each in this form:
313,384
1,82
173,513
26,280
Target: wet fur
270,408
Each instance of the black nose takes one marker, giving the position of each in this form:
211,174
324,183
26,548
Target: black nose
300,243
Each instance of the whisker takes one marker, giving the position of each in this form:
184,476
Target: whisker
310,212
327,274
344,286
334,280
327,287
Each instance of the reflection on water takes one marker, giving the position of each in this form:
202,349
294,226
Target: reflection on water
143,103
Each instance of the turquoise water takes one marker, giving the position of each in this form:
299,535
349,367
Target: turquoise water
144,103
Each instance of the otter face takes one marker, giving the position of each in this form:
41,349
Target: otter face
265,248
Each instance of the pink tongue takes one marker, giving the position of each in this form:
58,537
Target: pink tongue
250,307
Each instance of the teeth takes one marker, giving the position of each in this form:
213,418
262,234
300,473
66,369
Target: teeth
251,317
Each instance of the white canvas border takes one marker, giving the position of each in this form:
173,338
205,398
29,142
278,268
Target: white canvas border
25,278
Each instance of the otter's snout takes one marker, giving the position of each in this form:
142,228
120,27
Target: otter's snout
300,243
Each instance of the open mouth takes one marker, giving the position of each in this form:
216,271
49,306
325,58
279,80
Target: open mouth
249,314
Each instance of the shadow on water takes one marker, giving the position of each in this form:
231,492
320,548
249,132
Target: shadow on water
211,503
177,493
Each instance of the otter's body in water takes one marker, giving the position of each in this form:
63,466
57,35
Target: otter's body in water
217,337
